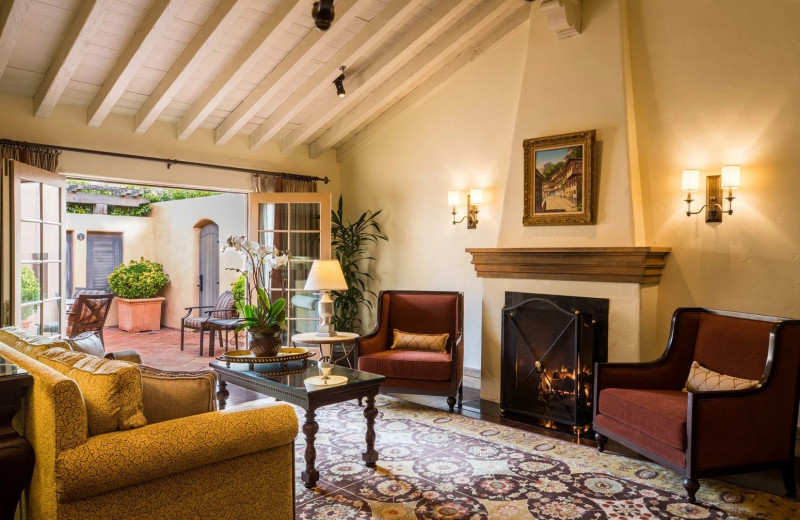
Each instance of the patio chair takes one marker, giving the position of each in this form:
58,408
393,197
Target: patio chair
88,315
224,309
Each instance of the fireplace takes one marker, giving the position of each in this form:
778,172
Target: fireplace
548,347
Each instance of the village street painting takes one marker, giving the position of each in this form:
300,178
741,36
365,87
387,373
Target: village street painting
558,184
559,180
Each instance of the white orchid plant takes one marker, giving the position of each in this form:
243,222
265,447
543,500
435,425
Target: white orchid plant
259,313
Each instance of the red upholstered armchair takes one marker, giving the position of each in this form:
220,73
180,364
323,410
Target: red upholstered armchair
708,433
413,371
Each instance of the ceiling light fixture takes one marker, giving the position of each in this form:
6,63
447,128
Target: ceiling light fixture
322,13
339,82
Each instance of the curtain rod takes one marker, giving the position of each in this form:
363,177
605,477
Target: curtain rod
22,145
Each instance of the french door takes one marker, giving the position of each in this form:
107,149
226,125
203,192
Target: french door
37,246
301,224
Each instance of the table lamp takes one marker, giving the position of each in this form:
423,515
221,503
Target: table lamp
325,276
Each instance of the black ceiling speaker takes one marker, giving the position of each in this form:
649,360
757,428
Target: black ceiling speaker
339,82
322,13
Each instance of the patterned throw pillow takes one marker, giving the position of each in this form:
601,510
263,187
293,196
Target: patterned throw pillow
426,342
112,390
702,379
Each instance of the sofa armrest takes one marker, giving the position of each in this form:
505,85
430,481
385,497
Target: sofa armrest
120,459
654,375
168,395
371,344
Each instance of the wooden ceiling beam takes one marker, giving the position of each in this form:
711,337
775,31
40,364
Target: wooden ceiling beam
265,38
226,13
366,41
69,55
431,85
12,16
356,85
151,30
297,58
431,58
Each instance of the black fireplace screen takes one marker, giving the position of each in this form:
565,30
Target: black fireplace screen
549,345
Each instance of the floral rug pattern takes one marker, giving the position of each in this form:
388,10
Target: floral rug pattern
435,465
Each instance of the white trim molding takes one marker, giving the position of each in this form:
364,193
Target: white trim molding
564,16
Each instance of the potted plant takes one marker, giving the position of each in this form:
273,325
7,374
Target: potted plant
263,319
136,285
351,241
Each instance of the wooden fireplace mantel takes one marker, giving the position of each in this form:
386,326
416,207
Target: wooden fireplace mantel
642,265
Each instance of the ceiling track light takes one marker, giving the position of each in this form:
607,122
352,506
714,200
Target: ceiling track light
323,14
339,82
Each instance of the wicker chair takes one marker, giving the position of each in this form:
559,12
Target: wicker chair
225,308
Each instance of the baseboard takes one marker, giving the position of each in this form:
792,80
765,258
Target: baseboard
472,378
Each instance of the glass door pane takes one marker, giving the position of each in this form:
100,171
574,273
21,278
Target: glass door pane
38,248
301,224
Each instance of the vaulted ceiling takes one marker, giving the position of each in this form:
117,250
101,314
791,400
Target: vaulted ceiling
253,67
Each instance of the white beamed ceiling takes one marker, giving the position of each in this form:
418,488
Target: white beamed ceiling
233,66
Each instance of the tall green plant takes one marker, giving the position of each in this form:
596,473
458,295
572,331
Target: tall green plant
350,241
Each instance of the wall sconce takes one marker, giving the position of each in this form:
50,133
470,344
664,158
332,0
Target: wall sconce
474,198
729,180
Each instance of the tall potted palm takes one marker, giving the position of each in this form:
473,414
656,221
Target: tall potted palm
136,285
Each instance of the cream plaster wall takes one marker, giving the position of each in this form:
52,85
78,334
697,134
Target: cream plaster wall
718,82
137,242
67,127
176,226
459,138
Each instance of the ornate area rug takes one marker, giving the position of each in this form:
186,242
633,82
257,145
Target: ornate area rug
435,465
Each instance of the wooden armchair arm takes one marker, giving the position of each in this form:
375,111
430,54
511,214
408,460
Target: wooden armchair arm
190,309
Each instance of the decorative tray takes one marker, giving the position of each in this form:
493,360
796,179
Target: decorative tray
285,355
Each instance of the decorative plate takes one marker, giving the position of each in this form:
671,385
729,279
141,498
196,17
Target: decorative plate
319,382
285,355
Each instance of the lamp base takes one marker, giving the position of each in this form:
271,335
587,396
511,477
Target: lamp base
326,330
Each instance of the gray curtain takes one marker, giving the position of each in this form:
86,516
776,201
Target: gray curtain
295,186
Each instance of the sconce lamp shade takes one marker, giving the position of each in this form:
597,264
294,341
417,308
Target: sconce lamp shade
326,275
475,196
452,198
690,181
730,177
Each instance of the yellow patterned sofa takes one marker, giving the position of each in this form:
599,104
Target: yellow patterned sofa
231,464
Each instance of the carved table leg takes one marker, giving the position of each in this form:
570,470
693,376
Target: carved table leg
310,475
370,412
222,394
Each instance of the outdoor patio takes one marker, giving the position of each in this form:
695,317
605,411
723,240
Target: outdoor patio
162,348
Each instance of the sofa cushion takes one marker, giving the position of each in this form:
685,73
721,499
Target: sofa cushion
112,390
702,379
169,395
408,364
660,414
424,342
27,342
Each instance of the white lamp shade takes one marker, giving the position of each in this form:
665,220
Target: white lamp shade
690,181
326,275
730,177
475,196
452,198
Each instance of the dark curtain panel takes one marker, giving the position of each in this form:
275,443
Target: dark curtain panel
43,158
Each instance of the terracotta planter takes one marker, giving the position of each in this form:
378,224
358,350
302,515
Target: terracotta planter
264,344
140,314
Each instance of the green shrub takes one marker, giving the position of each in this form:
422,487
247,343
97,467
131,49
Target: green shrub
142,279
239,288
30,290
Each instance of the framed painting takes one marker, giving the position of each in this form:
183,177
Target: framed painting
559,180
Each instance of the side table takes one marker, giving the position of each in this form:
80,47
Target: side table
345,339
16,454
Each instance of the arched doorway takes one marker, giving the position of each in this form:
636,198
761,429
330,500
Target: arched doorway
208,257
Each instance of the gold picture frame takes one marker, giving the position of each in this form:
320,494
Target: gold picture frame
559,173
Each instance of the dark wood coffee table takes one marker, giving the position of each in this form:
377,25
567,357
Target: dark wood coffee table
287,384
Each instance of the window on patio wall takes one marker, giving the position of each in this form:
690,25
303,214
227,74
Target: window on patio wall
301,223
